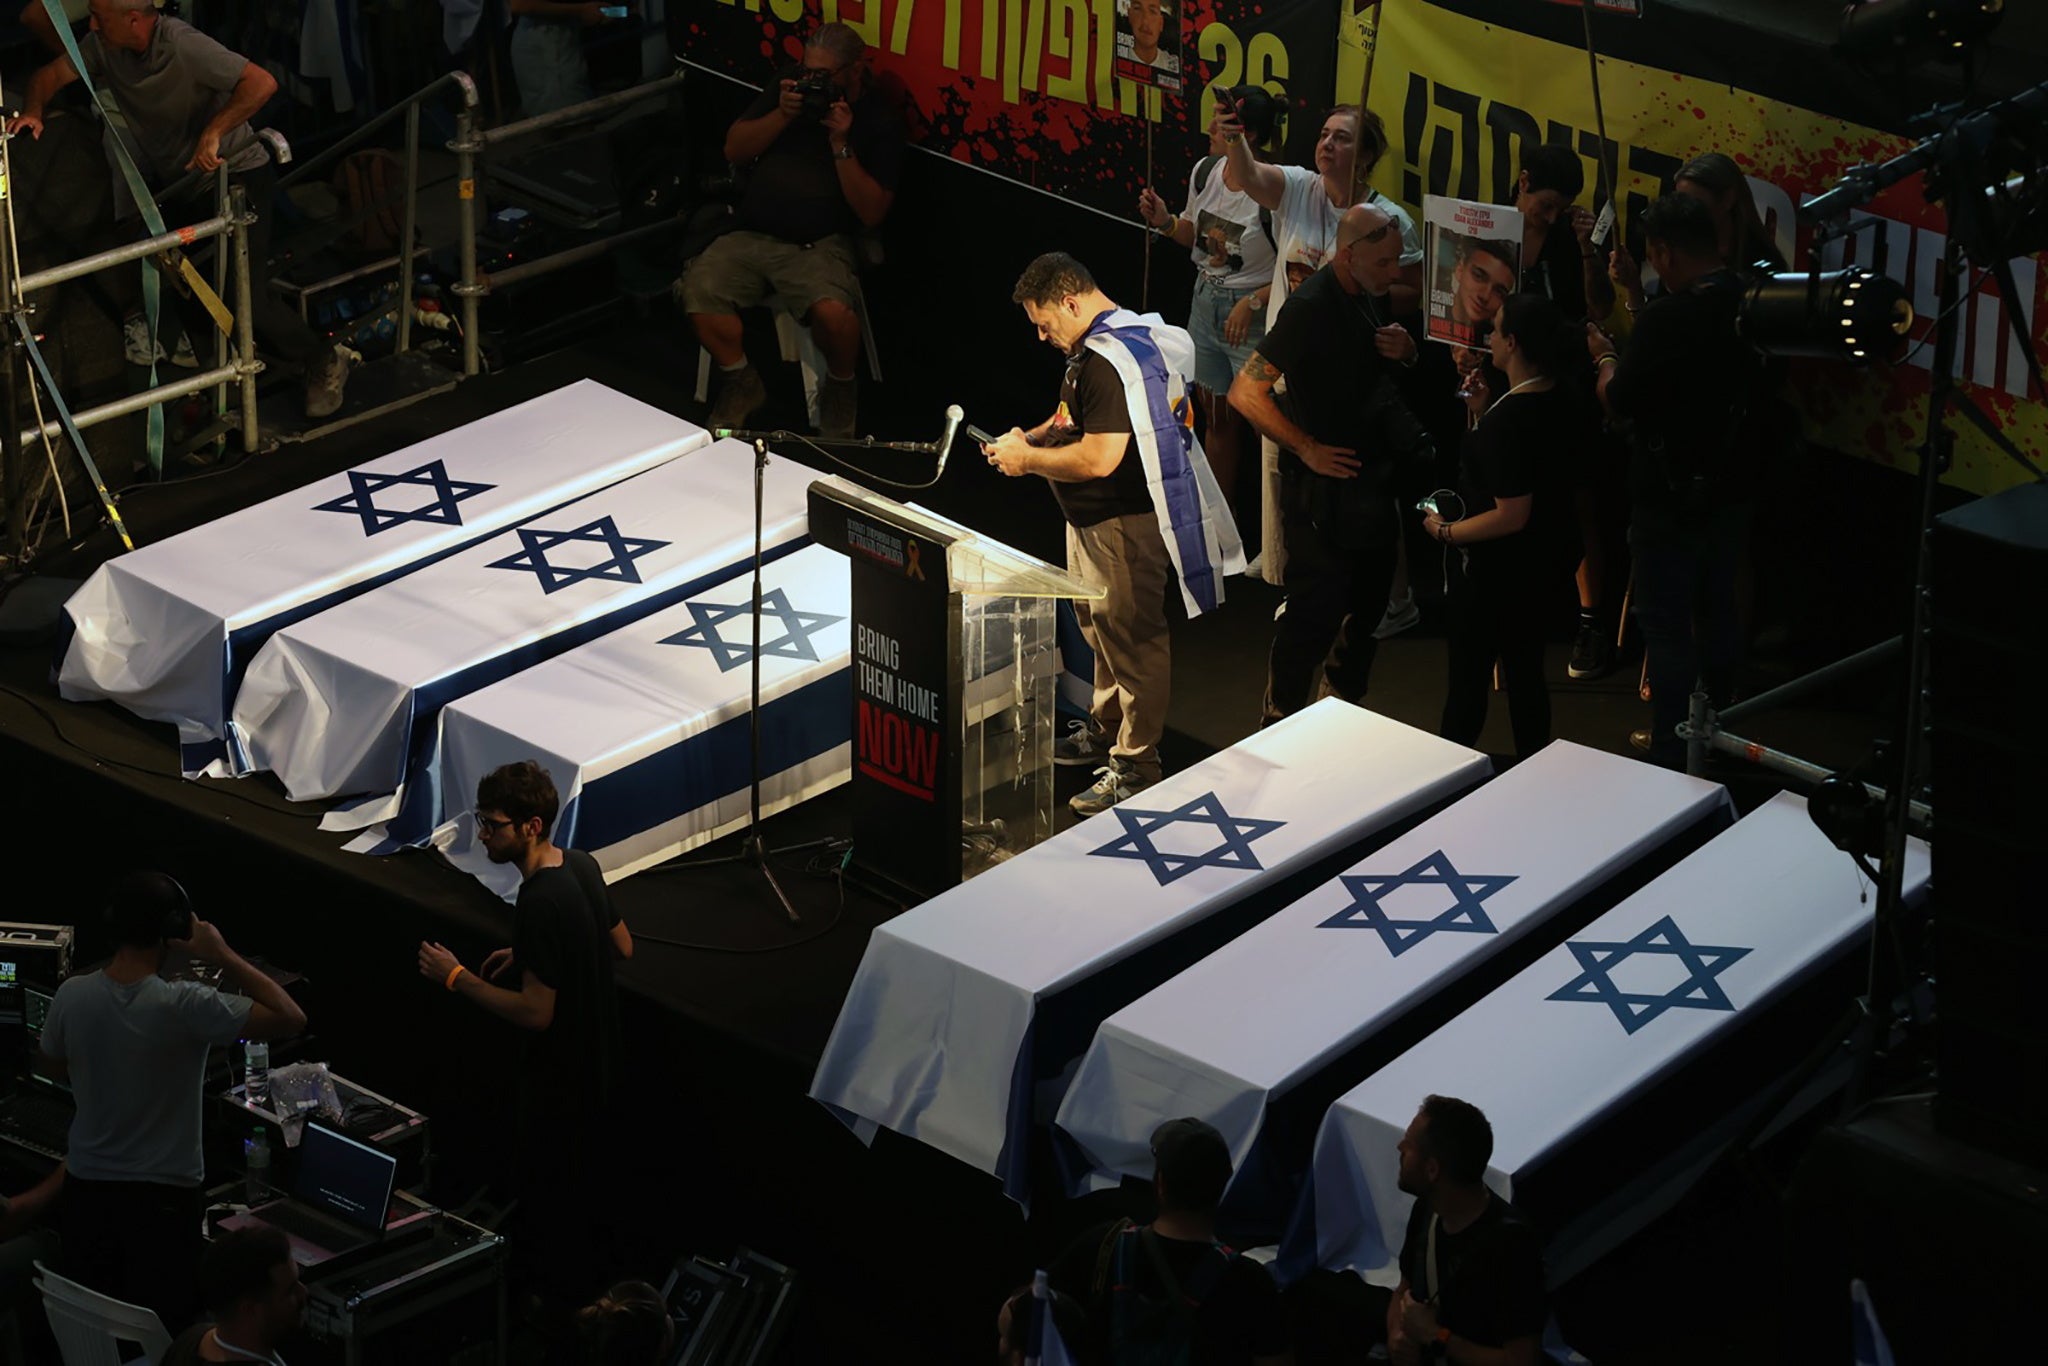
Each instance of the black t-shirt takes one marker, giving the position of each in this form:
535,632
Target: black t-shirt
1696,401
1558,272
1323,343
1490,1274
561,933
1532,443
1242,1318
1092,401
793,190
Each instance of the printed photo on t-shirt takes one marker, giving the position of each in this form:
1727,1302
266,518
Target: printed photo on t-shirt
1220,241
1148,42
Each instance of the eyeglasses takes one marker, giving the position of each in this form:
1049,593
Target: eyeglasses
488,825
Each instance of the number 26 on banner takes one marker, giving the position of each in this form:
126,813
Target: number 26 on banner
1263,63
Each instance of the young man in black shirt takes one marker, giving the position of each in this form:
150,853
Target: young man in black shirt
1695,403
555,982
823,170
1149,1288
1104,458
1471,1287
1347,445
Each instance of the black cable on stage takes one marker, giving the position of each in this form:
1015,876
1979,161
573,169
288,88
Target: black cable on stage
831,862
50,720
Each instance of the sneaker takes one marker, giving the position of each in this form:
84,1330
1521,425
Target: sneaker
1082,746
1114,782
740,395
1592,652
326,377
837,400
1399,617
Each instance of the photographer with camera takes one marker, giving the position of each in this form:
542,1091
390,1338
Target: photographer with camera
1347,443
1695,404
824,149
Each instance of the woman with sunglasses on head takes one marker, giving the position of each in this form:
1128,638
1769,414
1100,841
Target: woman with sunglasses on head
1518,539
1231,240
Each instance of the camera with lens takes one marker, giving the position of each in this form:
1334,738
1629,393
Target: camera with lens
818,94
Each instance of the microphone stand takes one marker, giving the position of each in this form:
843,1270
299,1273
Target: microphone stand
753,848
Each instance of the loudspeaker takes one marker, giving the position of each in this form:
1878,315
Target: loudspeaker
1990,654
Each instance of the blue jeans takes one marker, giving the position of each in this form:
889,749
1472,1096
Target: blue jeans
1686,574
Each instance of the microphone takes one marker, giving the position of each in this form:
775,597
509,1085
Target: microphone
954,417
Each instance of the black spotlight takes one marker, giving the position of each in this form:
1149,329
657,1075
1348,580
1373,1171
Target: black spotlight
1920,28
1853,316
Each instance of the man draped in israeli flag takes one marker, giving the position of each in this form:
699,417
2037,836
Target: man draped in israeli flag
1140,502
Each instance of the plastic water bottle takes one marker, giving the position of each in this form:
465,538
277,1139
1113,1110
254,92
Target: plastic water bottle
256,1075
256,1167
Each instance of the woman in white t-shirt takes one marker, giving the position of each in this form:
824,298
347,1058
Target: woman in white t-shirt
1307,204
1231,240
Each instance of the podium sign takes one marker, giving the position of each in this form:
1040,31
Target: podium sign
954,664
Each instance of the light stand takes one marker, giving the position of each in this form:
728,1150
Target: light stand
753,848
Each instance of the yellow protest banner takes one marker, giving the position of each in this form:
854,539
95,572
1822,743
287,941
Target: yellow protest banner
1460,98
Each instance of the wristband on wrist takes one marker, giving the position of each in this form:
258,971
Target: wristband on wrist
1606,358
454,973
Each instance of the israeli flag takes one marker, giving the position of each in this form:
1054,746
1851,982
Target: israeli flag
1154,361
1042,1343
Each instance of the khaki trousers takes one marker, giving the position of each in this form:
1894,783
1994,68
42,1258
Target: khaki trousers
1128,632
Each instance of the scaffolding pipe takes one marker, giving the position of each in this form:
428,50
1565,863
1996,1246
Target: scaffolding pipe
1920,816
136,402
134,251
561,260
411,227
362,134
1820,678
465,147
576,113
245,314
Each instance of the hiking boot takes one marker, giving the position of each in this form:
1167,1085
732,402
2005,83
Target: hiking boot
1399,617
1115,781
1592,652
326,376
740,395
1082,746
837,400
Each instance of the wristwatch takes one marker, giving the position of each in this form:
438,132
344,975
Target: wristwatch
843,154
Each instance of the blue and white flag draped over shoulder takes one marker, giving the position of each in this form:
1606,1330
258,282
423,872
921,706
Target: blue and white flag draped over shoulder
1869,1344
645,731
1155,361
349,701
167,630
1594,1024
1043,1345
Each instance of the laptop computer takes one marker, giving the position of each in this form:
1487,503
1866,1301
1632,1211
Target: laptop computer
339,1203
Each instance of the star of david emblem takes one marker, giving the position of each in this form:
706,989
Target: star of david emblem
617,569
1141,828
797,629
361,499
1466,914
1699,991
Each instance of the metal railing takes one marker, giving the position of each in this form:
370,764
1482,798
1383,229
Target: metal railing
470,140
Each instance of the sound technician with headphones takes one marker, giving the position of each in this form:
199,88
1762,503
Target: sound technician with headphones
133,1047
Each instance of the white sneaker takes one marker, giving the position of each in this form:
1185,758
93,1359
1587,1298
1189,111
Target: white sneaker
1399,617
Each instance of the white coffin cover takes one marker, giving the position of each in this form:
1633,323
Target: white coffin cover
1653,982
348,701
1248,1023
934,1040
167,629
645,731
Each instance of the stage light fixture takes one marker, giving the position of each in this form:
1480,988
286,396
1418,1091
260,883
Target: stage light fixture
1917,27
1853,315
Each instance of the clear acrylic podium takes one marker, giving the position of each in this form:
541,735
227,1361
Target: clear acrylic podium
956,663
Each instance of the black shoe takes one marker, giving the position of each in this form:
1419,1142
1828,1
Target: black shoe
1592,652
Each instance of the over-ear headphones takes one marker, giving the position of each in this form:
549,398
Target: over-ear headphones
148,902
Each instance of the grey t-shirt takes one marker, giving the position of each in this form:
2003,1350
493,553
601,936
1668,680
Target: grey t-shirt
170,92
137,1057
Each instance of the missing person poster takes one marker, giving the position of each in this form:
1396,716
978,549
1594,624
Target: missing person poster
1148,42
1475,262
